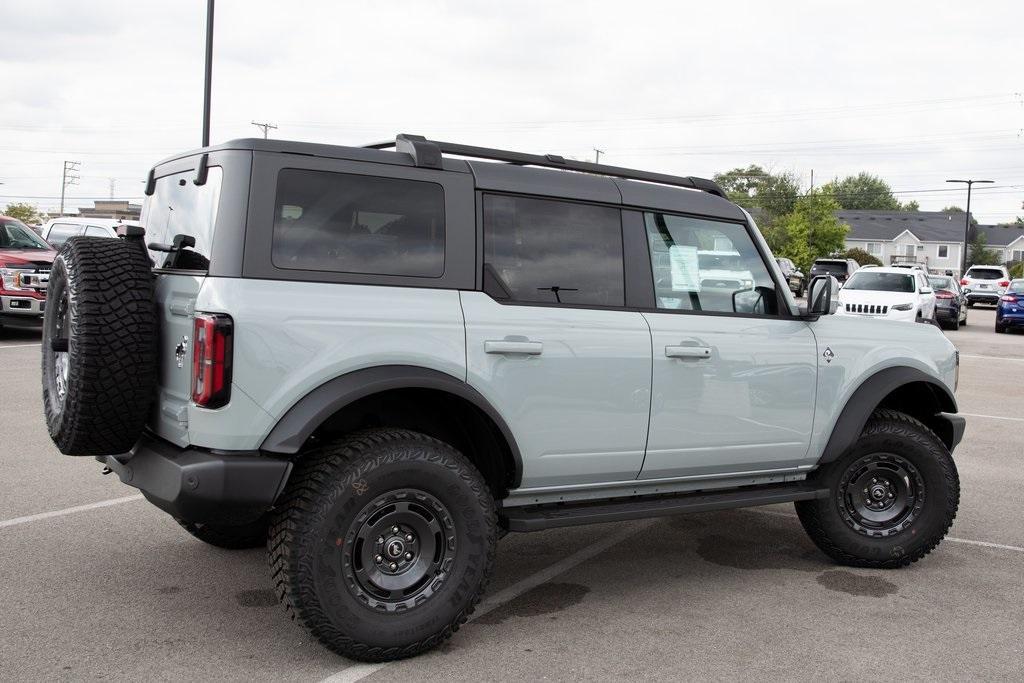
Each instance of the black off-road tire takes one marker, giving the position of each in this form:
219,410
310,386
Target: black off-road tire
887,432
316,542
100,323
230,537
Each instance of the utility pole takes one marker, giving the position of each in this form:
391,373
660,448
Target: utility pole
113,185
967,220
812,181
264,127
208,74
597,155
70,177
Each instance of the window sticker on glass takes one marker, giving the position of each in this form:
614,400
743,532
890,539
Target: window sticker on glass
685,268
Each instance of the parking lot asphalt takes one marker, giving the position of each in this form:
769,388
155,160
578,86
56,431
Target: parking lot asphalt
109,587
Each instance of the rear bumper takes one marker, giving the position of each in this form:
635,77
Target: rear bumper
983,297
201,486
1011,319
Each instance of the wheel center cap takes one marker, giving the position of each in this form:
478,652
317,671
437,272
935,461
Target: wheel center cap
878,492
395,548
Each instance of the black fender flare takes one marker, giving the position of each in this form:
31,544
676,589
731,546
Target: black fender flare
871,392
312,410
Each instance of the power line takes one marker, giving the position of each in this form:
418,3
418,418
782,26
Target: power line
264,127
70,177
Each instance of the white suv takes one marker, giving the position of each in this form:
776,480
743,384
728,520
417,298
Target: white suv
57,231
890,293
985,284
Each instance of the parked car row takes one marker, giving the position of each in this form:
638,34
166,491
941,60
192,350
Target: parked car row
907,292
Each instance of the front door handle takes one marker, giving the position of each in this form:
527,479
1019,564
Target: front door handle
528,348
688,351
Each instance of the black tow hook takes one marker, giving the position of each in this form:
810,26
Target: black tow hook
106,470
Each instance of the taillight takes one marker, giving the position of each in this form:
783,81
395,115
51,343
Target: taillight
211,360
943,294
1009,297
1004,283
963,281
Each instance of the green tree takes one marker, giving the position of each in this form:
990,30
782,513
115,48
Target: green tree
912,205
863,191
811,230
980,254
26,213
767,195
862,257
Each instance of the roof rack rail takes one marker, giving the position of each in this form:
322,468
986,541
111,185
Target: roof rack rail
427,153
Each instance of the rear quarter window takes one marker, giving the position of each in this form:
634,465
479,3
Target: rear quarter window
349,223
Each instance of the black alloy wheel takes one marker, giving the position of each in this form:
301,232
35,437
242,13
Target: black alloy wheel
398,552
880,494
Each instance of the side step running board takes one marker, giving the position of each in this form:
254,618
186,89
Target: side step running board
536,518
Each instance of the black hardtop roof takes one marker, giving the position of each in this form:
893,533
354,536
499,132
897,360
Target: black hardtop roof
516,172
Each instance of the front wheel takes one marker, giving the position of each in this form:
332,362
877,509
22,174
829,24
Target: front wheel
383,543
893,496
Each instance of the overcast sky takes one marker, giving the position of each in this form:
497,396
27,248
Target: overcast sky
916,92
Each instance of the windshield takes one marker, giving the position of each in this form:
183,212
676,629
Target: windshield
180,207
16,235
984,273
833,267
941,282
881,282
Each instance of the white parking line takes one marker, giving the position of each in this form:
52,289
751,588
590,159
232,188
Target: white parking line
68,511
970,355
993,417
18,346
951,539
358,672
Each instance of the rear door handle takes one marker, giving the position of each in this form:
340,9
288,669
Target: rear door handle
528,348
688,351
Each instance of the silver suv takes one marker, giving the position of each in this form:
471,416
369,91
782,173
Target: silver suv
377,361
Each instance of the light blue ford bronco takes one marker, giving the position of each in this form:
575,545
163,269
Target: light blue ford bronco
377,360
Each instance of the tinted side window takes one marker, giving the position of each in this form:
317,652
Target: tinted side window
702,265
539,250
61,232
351,223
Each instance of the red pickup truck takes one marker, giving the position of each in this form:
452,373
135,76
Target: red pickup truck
25,260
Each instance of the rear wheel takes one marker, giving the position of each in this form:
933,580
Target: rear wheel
1000,329
383,543
894,495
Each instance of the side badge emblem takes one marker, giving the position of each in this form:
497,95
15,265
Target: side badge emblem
180,350
828,355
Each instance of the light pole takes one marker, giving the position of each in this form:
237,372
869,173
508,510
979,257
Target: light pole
967,220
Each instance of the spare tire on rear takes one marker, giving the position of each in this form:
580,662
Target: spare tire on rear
99,346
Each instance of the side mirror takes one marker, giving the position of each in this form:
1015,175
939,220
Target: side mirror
819,295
